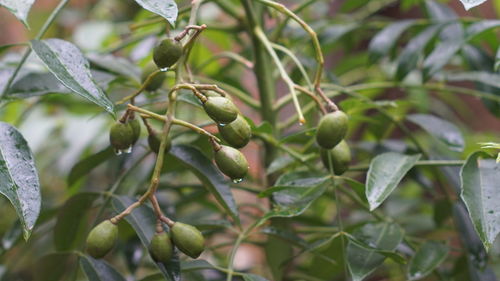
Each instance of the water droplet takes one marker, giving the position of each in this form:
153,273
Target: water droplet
118,152
164,69
301,124
237,180
222,124
128,150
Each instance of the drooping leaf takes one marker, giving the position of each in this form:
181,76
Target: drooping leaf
383,41
413,51
385,172
480,27
86,165
55,266
99,270
71,221
441,129
485,78
388,254
71,68
18,177
440,56
165,8
480,176
385,236
20,8
426,259
143,221
209,175
469,4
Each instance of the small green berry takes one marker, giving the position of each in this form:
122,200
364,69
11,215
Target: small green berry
332,129
136,129
188,239
231,162
167,53
340,156
157,80
102,239
221,109
237,133
121,136
160,248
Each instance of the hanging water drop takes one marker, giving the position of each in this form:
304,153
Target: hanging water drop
222,124
164,69
128,150
118,151
237,180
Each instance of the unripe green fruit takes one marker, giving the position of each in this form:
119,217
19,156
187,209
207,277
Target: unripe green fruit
231,162
160,248
332,129
211,93
167,53
188,239
237,133
340,157
136,129
121,136
102,239
154,142
157,81
221,109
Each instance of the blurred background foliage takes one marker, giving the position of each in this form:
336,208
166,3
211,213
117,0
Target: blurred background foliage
65,131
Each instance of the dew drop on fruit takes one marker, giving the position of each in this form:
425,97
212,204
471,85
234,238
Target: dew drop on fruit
164,69
237,180
118,152
222,124
128,150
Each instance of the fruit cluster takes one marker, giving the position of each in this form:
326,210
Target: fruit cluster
233,128
334,150
187,238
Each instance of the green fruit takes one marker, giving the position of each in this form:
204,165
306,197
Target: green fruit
231,162
102,239
160,248
221,109
121,136
237,133
154,142
340,157
157,81
167,53
188,239
211,93
136,129
332,129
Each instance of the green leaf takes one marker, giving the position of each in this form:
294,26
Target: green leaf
99,270
143,221
388,254
426,259
117,65
486,78
18,177
165,8
83,167
480,176
193,265
153,277
441,129
55,266
253,277
440,56
383,41
71,68
413,51
468,4
480,27
20,8
384,236
69,231
293,193
209,175
385,172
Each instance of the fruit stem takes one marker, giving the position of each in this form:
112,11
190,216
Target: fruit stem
141,89
195,128
186,30
216,146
